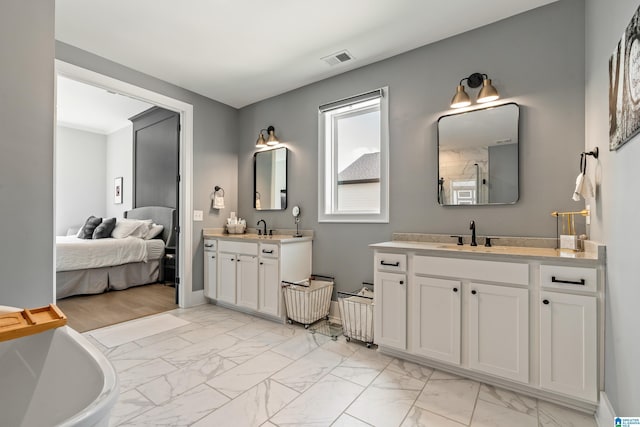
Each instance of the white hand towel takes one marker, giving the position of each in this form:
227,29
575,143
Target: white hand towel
587,188
218,202
579,185
583,189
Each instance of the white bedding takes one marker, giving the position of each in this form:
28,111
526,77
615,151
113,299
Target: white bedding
79,254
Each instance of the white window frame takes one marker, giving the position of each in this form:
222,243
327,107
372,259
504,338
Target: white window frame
325,151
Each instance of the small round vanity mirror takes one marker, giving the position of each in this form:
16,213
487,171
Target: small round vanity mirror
296,214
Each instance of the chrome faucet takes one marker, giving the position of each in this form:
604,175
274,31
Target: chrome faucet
472,227
264,233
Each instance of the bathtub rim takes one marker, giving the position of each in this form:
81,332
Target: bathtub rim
100,408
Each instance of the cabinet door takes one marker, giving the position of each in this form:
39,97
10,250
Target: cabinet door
568,345
210,275
269,294
391,310
499,330
227,278
436,318
247,281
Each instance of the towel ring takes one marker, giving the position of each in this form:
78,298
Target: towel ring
583,158
218,188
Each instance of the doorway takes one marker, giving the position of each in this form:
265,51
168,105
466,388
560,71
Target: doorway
184,200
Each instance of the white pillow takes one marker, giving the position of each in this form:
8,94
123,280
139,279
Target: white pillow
154,231
131,227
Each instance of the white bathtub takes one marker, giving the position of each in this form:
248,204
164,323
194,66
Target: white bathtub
55,378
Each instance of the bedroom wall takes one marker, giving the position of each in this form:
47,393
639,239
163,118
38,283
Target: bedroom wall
26,163
543,71
215,136
80,177
614,217
119,163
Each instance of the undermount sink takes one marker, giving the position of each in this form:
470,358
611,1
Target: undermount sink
490,249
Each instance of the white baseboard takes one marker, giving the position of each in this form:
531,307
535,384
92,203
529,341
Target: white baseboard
605,413
196,298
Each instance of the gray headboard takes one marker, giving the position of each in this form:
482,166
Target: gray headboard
160,215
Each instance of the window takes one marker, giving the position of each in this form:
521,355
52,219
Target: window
353,147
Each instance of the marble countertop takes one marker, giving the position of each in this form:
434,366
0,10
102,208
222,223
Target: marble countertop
279,237
594,255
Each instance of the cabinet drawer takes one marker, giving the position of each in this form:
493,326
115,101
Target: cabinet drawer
210,245
238,247
563,277
391,262
490,271
269,250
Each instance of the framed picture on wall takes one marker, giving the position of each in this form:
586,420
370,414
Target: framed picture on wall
117,190
624,86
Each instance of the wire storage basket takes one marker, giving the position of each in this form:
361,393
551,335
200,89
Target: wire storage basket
356,312
308,301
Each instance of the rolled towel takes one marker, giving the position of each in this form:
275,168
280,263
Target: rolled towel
579,184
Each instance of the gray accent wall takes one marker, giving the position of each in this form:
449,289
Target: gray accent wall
215,160
26,163
535,59
615,208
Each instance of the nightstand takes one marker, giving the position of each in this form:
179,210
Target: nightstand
169,264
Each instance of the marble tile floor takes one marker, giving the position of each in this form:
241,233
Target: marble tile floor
225,368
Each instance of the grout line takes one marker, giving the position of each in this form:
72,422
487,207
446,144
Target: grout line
475,404
418,395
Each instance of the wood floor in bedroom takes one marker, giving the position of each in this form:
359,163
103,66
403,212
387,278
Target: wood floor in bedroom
88,312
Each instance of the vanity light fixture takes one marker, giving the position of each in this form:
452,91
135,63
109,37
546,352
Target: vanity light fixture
488,92
271,138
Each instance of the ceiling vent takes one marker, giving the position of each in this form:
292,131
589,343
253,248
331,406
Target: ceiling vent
338,58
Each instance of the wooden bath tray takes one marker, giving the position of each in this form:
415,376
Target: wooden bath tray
30,321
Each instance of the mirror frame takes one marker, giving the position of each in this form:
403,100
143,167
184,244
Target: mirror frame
438,154
286,177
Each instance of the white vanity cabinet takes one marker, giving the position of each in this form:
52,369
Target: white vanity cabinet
498,325
528,319
436,317
227,278
269,294
246,273
390,320
210,268
246,279
497,329
238,268
568,342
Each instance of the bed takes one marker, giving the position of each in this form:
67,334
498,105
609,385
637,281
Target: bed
86,266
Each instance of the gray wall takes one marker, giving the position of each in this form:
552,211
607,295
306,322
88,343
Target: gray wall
26,163
214,143
535,59
80,177
119,163
615,208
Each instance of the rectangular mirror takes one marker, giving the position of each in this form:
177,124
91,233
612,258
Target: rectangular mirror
270,179
478,156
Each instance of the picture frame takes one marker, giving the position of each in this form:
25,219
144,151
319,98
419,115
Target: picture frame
624,86
117,190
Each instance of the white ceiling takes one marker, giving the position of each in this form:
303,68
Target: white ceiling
242,51
89,108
